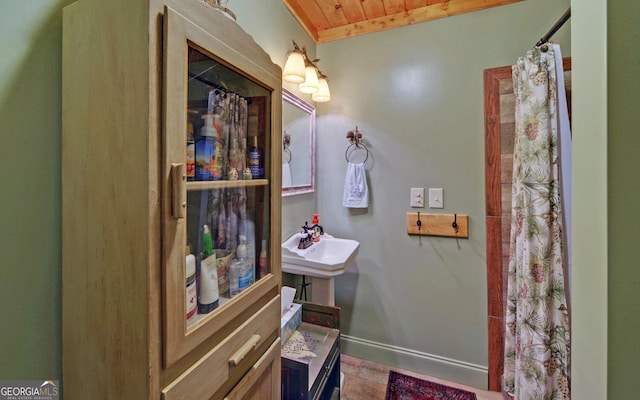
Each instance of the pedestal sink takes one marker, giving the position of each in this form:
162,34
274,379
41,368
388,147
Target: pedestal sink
322,261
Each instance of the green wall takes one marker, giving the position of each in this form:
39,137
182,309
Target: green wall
623,163
417,95
589,123
30,255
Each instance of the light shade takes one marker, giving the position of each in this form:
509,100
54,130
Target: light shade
294,70
310,84
323,93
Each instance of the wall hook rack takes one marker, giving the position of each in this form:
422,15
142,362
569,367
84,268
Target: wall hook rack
438,225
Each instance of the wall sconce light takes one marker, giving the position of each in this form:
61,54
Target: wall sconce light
323,94
301,70
310,84
294,70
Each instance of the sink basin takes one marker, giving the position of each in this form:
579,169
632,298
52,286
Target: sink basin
322,261
328,257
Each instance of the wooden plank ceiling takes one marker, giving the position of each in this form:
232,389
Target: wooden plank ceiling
328,20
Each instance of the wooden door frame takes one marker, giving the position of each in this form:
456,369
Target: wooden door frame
496,278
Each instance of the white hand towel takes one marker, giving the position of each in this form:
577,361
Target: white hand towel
356,192
286,175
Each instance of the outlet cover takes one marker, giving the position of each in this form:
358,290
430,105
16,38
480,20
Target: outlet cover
436,198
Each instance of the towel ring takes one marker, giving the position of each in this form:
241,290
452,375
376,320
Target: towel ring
358,146
286,150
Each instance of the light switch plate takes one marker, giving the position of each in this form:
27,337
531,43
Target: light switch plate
417,197
436,198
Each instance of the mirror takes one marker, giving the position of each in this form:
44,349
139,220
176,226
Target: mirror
299,145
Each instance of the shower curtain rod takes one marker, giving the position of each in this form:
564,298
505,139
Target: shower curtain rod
565,17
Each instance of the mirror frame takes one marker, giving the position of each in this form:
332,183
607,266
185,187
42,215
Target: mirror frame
311,110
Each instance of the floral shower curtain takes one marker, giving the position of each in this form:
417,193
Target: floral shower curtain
537,340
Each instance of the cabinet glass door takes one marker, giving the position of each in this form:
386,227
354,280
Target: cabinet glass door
227,193
217,226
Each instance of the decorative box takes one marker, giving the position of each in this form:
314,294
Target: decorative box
290,321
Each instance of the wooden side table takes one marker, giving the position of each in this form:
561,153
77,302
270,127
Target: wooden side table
311,356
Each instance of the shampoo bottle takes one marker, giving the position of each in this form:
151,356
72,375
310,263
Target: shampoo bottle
256,159
208,298
192,293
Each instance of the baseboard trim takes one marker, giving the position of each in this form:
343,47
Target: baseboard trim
424,363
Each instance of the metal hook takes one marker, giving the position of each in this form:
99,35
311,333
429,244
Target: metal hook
455,224
419,223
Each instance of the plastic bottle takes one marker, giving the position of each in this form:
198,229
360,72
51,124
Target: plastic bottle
316,230
235,270
192,292
247,273
256,159
239,278
246,228
264,262
206,150
208,296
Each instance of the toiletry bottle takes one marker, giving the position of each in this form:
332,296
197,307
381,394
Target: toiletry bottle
237,283
246,229
235,270
256,159
246,276
264,262
315,225
208,297
191,153
191,293
205,149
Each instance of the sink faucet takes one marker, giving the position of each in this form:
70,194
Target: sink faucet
306,236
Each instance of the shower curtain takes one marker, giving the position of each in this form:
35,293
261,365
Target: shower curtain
537,338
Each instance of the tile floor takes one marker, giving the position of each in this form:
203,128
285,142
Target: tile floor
366,380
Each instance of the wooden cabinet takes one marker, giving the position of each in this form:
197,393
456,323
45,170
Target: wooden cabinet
161,101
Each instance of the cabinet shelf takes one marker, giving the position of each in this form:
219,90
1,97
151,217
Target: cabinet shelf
208,185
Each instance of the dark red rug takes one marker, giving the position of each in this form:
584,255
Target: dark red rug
404,387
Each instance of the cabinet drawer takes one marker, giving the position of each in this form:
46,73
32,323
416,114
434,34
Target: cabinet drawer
261,381
207,375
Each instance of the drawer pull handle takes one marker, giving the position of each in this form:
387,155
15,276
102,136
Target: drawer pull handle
244,350
178,191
